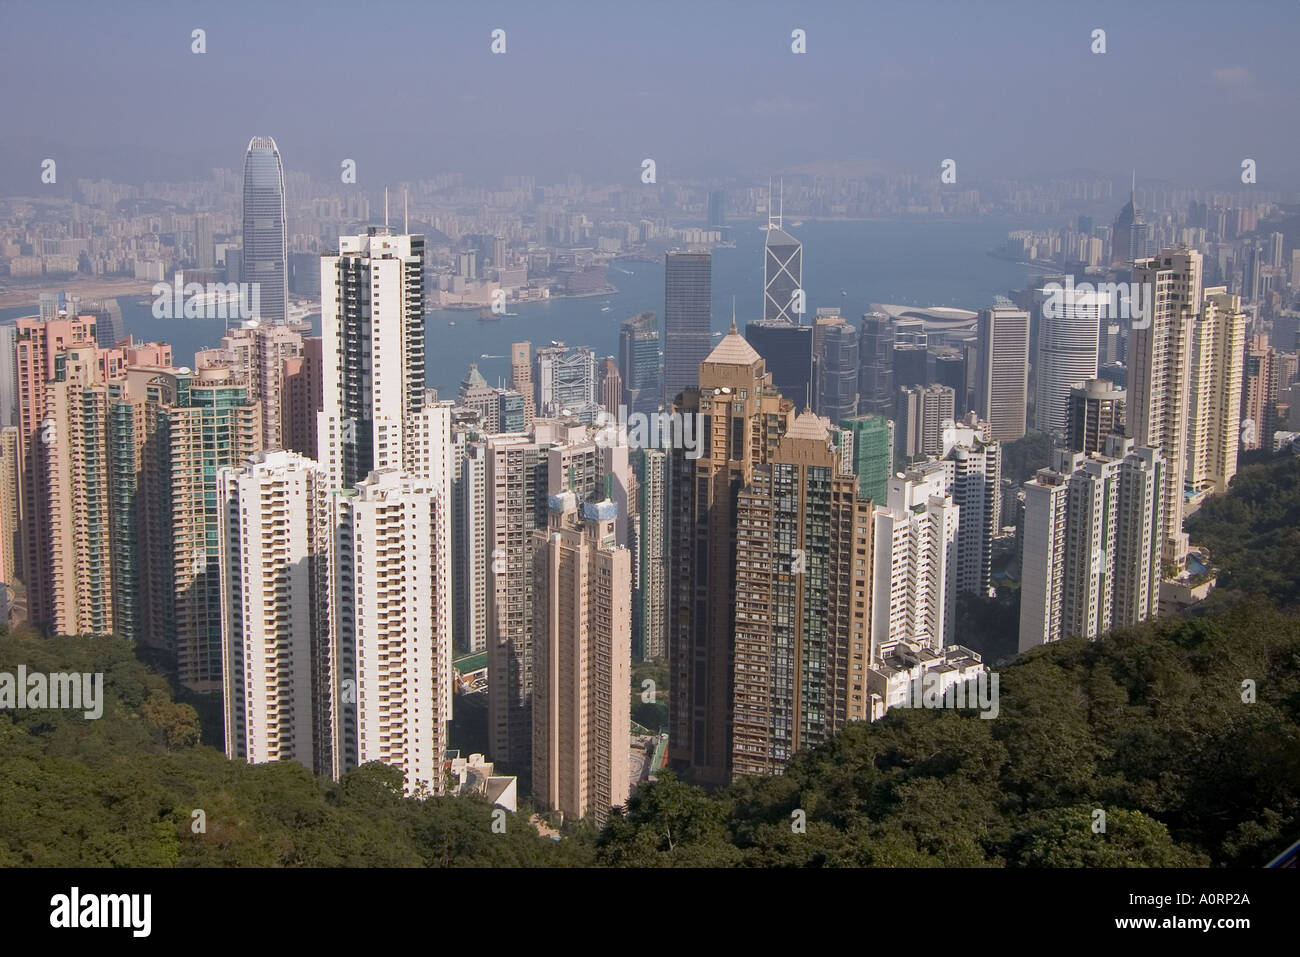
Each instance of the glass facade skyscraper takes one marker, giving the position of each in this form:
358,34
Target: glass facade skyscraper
265,252
688,295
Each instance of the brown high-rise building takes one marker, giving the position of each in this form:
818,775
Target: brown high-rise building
521,378
582,640
301,398
736,419
611,386
37,343
802,586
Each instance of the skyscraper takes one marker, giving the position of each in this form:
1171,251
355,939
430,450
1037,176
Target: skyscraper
274,583
1002,380
372,327
265,251
782,276
1091,551
873,454
638,363
745,418
801,651
651,638
838,368
1096,411
688,291
787,350
521,377
392,626
582,636
914,591
717,208
1214,402
876,365
566,380
1160,358
1067,355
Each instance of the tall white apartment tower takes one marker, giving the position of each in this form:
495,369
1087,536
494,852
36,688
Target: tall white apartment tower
471,568
914,592
1160,365
1214,406
392,630
274,533
372,327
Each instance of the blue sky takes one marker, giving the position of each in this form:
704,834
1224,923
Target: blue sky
1183,93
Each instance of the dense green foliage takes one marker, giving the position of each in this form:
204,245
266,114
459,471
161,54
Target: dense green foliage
1149,726
120,791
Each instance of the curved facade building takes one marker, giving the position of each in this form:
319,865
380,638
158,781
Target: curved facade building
1067,355
265,252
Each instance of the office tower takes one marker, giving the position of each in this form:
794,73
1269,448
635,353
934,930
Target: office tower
37,344
204,251
638,363
1276,249
265,251
1002,379
392,626
258,353
1214,402
651,637
745,417
372,325
1068,347
1257,396
1160,356
611,386
8,374
782,276
873,454
1250,272
566,380
802,628
516,507
1096,411
911,364
274,542
973,469
521,377
921,415
476,394
838,366
876,371
302,398
717,208
948,367
470,571
582,636
235,266
304,274
109,327
511,415
206,423
1091,550
787,351
914,591
11,475
688,291
1129,234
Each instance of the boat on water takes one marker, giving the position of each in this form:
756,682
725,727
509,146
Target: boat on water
487,315
843,292
510,314
452,323
604,308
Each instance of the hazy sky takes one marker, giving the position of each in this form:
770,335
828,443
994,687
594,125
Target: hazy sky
1184,92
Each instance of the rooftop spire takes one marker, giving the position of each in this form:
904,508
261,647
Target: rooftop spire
733,316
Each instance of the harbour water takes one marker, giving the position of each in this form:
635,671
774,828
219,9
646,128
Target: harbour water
847,265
